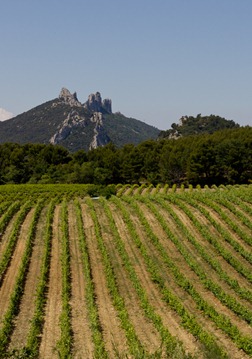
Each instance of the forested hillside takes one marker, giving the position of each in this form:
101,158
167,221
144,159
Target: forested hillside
190,125
224,157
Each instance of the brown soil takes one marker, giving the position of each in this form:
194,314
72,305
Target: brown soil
145,191
188,303
114,337
145,330
238,221
205,266
127,191
110,323
226,266
227,228
51,330
12,271
19,336
170,318
82,344
207,295
5,236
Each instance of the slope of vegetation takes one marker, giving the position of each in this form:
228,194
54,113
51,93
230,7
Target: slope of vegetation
189,125
39,124
152,272
224,157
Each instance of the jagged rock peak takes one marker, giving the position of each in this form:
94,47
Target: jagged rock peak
95,103
107,105
71,99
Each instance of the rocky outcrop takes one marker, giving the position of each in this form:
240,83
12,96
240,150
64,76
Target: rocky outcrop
68,98
100,137
95,103
66,122
96,108
75,121
107,105
72,121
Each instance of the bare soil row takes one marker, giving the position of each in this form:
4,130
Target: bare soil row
114,334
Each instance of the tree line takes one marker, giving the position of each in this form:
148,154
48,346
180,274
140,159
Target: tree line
223,157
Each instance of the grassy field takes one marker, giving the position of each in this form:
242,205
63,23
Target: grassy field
149,273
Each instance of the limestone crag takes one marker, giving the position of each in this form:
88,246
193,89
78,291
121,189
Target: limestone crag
72,121
100,137
107,105
95,108
68,98
75,125
95,103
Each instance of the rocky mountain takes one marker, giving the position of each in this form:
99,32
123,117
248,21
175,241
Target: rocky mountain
68,122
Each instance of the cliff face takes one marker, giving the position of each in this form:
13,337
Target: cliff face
68,98
95,108
96,104
67,122
100,137
73,120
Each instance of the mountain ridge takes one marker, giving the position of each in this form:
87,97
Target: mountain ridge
68,122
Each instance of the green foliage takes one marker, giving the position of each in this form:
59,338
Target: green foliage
95,324
193,265
189,125
39,125
134,343
13,308
6,255
33,341
221,158
188,320
123,130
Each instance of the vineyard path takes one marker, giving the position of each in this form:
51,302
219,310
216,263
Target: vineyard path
12,271
169,317
112,334
22,322
145,330
82,343
205,323
51,330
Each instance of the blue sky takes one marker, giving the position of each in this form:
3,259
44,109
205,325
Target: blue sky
156,59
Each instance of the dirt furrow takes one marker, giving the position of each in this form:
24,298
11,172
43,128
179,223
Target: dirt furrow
235,218
19,336
170,318
12,271
205,266
144,329
110,323
82,345
5,236
225,265
221,337
217,218
51,330
244,328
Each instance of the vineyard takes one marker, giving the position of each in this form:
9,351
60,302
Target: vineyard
151,272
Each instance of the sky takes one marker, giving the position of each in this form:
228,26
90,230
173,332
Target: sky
158,60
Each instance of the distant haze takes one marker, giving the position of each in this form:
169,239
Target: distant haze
5,115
